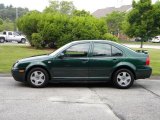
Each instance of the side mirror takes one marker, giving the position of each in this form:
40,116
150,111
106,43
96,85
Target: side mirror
61,55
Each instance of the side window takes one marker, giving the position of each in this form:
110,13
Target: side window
116,52
101,49
9,33
16,34
4,33
78,50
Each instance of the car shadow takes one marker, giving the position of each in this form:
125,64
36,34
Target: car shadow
80,85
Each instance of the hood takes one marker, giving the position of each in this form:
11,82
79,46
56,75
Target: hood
35,58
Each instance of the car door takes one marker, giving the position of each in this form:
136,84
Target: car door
103,60
10,36
73,64
16,37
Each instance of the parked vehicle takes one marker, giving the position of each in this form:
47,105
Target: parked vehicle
156,39
8,36
86,60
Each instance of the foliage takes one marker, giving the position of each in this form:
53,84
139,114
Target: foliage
37,40
64,7
28,23
143,20
58,28
82,13
114,22
109,36
6,25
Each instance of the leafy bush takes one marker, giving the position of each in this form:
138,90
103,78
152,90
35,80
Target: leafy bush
59,29
111,37
66,38
37,40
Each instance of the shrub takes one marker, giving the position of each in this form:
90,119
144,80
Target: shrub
37,40
109,36
66,38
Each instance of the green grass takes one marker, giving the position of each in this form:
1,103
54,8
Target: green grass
155,60
10,54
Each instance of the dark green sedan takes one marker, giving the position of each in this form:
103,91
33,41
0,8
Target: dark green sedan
85,61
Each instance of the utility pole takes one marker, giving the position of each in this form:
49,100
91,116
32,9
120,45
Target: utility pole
16,17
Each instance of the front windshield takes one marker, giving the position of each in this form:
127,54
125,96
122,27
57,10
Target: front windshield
59,50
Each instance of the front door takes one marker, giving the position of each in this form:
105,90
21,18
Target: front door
74,63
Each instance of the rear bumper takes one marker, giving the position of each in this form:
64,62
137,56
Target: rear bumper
144,73
17,75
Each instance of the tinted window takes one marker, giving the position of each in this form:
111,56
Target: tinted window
79,50
116,52
101,49
9,33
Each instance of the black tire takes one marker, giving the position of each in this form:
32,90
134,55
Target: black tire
23,40
42,74
123,78
2,40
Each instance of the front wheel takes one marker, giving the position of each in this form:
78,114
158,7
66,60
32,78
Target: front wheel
23,41
123,78
37,77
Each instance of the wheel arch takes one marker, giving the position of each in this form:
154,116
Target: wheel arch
37,66
3,38
124,67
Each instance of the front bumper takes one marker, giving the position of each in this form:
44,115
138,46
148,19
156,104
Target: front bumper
18,76
144,73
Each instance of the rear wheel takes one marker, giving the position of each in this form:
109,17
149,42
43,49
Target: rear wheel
123,78
2,40
37,77
23,40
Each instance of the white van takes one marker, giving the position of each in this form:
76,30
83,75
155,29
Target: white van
156,39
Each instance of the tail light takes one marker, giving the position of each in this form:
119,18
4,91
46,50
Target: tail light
148,61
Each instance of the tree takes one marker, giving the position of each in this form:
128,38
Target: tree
63,7
6,25
28,24
143,20
114,22
81,13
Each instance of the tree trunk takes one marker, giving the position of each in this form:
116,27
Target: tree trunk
141,43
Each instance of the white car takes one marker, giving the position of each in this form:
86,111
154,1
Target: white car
9,36
156,39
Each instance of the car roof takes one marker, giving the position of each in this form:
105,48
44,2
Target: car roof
106,41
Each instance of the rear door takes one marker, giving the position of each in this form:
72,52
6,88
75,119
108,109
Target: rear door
103,60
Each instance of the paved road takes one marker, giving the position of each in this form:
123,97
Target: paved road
79,101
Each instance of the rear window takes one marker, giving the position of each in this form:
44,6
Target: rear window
116,51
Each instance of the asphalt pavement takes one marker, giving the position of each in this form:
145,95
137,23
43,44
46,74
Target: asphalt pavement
79,101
